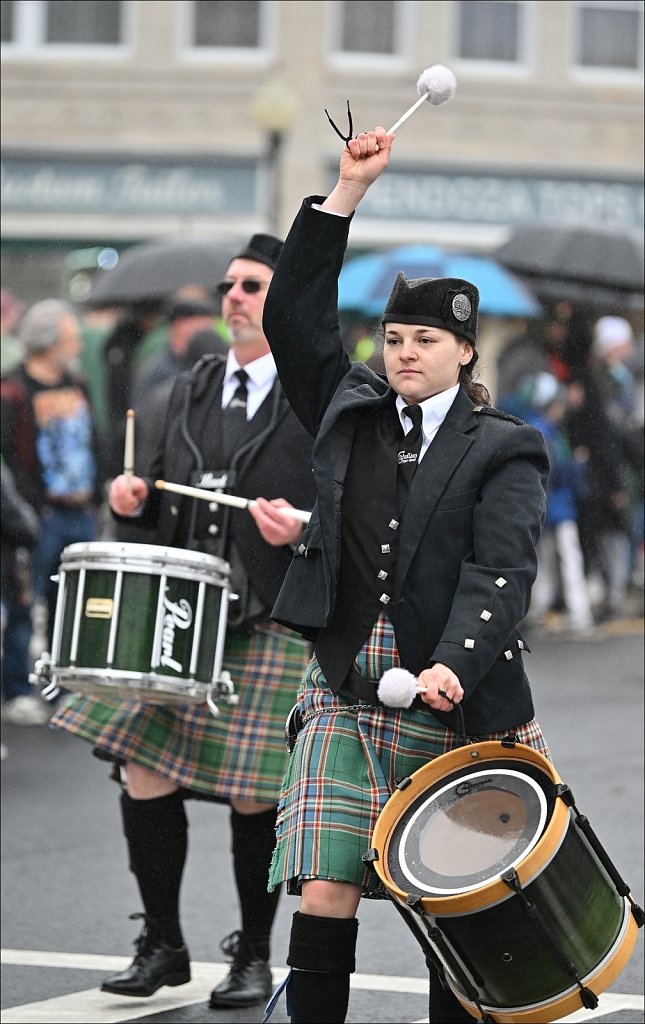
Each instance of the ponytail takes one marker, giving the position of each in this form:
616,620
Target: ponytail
477,392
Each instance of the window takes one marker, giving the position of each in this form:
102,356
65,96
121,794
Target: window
93,22
7,21
493,33
367,27
226,23
56,26
369,30
227,30
609,35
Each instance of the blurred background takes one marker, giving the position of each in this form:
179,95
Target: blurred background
144,140
127,120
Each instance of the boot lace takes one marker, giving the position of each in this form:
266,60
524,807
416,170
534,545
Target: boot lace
145,941
236,948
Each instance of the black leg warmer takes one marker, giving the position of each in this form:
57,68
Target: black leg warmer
444,1007
157,835
322,955
253,841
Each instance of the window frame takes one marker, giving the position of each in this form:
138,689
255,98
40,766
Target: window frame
399,59
583,73
263,54
30,32
526,64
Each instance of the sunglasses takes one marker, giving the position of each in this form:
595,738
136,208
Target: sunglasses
250,285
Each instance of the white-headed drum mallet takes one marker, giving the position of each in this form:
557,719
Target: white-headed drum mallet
397,688
128,455
437,85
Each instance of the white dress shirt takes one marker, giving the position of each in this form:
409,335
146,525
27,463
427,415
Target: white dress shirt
262,374
434,410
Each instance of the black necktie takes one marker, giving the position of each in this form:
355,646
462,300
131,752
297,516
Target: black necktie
234,416
410,447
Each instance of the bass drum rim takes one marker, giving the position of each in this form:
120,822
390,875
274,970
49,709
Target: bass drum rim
435,771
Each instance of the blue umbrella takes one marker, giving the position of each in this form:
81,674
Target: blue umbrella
365,282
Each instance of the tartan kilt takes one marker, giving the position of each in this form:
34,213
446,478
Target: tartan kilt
239,754
343,770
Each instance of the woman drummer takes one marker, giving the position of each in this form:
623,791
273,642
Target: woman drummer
420,552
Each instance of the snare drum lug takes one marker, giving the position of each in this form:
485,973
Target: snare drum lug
370,856
43,674
562,790
414,900
510,740
402,782
474,754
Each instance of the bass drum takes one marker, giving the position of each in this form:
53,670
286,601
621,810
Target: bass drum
502,880
140,622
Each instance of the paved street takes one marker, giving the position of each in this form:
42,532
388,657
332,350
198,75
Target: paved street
67,894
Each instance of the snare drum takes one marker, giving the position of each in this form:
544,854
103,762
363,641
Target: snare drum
140,622
492,867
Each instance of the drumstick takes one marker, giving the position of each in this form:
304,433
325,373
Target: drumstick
128,455
228,499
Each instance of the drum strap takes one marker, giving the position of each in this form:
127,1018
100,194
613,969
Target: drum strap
440,953
564,792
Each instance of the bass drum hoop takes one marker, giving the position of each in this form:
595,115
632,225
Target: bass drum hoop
435,771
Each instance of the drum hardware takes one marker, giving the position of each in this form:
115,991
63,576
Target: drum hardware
587,997
42,675
135,622
504,883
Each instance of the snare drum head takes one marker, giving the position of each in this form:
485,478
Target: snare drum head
153,556
469,828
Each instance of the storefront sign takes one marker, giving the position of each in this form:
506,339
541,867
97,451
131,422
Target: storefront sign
141,186
496,198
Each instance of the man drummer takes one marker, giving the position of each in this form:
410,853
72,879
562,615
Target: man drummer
420,552
228,426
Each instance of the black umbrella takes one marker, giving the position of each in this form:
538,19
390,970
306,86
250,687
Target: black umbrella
593,266
151,271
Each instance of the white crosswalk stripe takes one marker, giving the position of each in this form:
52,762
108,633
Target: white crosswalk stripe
91,1006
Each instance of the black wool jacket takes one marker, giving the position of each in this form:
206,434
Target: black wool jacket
274,463
473,515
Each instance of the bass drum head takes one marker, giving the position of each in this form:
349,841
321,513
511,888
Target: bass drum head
468,829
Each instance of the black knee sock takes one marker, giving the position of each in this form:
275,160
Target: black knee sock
157,834
253,841
322,957
444,1007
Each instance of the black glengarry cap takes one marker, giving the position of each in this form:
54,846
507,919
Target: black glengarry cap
447,302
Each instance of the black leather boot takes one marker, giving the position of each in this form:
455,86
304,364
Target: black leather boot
155,964
249,980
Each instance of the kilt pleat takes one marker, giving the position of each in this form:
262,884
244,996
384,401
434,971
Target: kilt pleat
238,754
344,767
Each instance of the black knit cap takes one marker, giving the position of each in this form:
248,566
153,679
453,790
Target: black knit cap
263,249
447,302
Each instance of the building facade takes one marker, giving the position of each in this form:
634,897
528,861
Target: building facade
123,120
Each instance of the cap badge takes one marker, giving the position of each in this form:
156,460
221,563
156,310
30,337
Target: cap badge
461,307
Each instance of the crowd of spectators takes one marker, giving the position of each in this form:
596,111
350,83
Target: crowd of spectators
66,387
580,380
